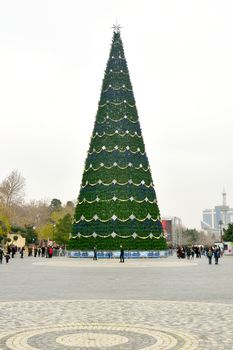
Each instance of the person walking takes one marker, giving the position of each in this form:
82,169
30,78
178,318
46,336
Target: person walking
43,252
7,257
209,255
13,251
39,251
95,253
216,255
60,251
50,252
122,254
21,252
188,253
29,251
1,255
47,252
192,253
35,252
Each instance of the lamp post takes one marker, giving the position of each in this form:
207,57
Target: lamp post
34,235
220,228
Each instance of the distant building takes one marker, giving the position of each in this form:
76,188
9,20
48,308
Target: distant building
20,242
172,228
218,217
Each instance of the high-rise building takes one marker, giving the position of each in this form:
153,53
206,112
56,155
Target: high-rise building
218,217
173,230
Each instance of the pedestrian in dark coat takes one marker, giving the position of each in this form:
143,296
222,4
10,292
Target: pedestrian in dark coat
35,252
216,255
122,254
13,251
21,252
29,251
192,253
1,255
95,253
209,256
47,252
7,257
43,252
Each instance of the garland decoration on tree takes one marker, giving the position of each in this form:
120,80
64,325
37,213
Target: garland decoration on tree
113,235
117,202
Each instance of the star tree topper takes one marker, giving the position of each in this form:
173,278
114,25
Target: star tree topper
116,27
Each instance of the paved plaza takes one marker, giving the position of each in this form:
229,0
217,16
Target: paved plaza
63,303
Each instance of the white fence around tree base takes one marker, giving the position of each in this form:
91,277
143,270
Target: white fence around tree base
116,254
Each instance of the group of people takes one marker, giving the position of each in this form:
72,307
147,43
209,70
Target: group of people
10,252
182,252
36,251
214,252
190,252
199,251
40,251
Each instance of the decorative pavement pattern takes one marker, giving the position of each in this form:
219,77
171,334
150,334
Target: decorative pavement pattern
115,325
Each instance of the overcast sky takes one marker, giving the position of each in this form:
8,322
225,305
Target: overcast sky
180,56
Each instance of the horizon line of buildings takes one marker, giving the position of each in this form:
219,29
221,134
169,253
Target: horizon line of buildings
214,220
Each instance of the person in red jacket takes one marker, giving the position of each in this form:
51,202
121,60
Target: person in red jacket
50,252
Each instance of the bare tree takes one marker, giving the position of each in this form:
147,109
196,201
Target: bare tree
34,212
12,189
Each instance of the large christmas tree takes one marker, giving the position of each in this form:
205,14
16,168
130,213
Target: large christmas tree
117,202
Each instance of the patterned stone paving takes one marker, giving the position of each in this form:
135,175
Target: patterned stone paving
115,325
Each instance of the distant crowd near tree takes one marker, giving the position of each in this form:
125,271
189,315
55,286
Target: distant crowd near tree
36,220
198,251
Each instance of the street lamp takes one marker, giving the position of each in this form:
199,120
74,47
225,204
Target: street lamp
220,223
34,235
